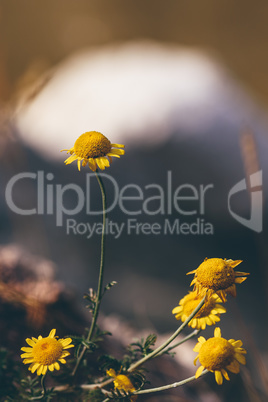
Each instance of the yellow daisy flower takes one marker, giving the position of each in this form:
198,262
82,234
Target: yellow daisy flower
94,149
217,354
207,315
216,275
122,382
45,353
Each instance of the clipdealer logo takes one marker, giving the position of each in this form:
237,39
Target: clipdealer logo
132,200
255,221
186,200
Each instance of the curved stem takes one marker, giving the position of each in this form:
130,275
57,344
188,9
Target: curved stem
169,386
43,384
99,291
44,391
165,344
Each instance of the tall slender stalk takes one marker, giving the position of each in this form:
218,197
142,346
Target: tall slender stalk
101,270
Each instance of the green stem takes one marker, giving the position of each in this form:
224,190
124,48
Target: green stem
165,344
191,335
99,291
169,386
44,391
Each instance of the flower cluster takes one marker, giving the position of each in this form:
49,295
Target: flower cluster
214,279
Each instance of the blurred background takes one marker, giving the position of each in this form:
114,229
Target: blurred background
183,85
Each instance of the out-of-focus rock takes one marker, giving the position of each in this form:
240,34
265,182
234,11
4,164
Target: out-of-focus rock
138,93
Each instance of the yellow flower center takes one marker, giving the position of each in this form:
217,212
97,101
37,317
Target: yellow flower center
47,351
216,274
192,303
92,145
216,354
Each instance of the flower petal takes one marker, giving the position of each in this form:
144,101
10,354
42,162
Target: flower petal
191,272
233,264
236,344
240,358
231,290
92,164
71,150
99,163
203,325
70,159
218,377
26,355
65,354
224,372
26,361
118,145
240,280
195,360
65,341
201,339
105,161
177,309
44,370
40,369
111,373
208,321
234,367
217,332
222,295
116,152
199,371
52,333
193,323
30,342
26,349
197,347
51,367
218,309
34,367
238,273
